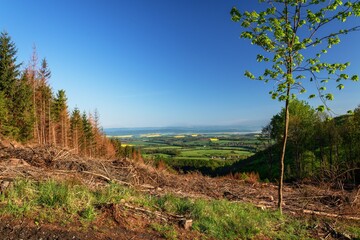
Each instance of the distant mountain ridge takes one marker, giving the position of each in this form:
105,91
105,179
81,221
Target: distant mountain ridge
181,130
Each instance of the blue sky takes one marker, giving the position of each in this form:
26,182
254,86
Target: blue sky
155,63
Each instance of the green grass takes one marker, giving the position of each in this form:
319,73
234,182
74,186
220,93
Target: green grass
166,231
212,152
162,147
64,202
191,158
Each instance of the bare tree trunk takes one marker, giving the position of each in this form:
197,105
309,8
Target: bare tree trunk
50,125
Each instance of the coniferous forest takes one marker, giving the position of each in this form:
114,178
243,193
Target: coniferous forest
31,112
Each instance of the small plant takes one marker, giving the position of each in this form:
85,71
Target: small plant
166,231
53,194
88,213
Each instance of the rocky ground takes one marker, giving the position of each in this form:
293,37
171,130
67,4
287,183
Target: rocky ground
40,163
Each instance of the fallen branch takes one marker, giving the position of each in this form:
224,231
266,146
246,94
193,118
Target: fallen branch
98,175
105,169
167,217
335,233
109,180
332,215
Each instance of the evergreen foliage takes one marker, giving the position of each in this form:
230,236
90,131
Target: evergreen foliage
9,73
29,110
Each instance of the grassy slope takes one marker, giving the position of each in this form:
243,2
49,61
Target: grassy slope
65,202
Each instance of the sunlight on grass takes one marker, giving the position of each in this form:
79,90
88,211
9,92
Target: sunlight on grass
151,135
64,202
179,136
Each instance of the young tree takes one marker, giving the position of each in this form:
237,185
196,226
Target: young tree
286,30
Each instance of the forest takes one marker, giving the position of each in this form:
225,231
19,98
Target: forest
320,148
31,112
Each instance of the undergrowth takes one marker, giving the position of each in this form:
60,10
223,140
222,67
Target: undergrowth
67,201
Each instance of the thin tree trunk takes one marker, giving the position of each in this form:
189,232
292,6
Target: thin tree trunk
50,124
286,128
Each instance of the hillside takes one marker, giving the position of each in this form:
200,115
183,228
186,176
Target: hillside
327,211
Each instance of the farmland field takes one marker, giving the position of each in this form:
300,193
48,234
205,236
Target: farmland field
210,150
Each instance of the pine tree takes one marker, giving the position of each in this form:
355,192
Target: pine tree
76,130
9,73
61,118
87,139
9,70
23,115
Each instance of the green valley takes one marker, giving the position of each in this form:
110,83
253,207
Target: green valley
193,151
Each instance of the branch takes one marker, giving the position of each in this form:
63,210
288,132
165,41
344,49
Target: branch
332,215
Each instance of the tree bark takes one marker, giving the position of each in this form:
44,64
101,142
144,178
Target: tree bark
286,129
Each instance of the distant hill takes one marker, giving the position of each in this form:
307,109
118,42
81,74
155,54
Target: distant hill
181,130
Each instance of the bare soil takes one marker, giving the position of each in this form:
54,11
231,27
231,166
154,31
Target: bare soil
40,163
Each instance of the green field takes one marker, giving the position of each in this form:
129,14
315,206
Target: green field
181,151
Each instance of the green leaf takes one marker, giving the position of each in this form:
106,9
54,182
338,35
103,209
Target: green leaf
355,78
321,108
340,86
235,15
329,97
249,75
259,58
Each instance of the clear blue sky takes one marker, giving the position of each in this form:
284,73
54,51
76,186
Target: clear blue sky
155,63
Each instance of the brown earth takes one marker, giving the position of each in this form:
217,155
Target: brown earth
40,163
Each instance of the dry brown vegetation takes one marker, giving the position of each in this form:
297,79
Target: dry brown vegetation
41,163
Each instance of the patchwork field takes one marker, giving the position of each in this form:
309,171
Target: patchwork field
195,150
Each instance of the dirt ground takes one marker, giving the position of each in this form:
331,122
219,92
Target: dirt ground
41,163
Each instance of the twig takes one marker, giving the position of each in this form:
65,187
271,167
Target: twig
355,198
164,216
98,175
312,197
105,169
335,233
107,179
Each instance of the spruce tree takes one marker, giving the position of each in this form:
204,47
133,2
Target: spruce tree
9,70
60,114
9,73
23,115
76,129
